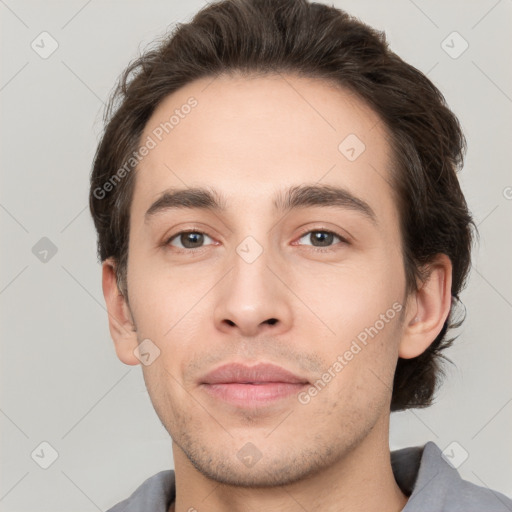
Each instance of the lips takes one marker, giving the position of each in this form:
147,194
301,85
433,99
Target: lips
251,386
236,373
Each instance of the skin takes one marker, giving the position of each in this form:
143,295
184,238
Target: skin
249,137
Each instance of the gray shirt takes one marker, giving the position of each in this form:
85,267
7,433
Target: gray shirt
431,484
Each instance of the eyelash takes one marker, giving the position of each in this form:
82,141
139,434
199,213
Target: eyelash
196,250
332,248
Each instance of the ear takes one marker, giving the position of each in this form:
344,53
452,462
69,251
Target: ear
120,320
427,309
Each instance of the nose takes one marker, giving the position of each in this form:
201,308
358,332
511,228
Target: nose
253,299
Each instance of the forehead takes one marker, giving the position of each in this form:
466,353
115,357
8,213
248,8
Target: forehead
250,137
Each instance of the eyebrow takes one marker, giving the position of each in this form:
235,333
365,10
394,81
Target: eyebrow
295,197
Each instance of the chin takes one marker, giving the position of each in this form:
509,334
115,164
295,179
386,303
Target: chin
278,470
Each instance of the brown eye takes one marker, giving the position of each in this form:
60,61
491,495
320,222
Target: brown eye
321,238
188,240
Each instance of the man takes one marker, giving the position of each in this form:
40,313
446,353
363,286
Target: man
283,240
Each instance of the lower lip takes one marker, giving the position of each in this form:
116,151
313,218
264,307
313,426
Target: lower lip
253,394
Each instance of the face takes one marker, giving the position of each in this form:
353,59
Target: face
309,281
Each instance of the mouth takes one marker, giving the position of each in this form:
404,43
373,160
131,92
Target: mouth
251,386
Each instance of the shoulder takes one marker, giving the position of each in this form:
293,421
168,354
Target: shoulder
439,487
471,497
155,494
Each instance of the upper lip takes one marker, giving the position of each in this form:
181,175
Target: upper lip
243,374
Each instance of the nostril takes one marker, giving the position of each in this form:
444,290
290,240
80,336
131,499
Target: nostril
272,321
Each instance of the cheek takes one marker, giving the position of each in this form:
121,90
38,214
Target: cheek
161,298
358,328
349,300
358,377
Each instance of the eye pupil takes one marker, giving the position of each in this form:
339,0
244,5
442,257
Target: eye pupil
323,237
191,240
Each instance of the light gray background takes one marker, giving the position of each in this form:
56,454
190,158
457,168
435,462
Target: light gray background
61,380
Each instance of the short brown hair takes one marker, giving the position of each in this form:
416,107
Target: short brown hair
311,40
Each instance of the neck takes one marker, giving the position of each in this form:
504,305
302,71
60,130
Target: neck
361,480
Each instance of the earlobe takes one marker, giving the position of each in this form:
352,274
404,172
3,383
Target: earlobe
120,320
428,309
